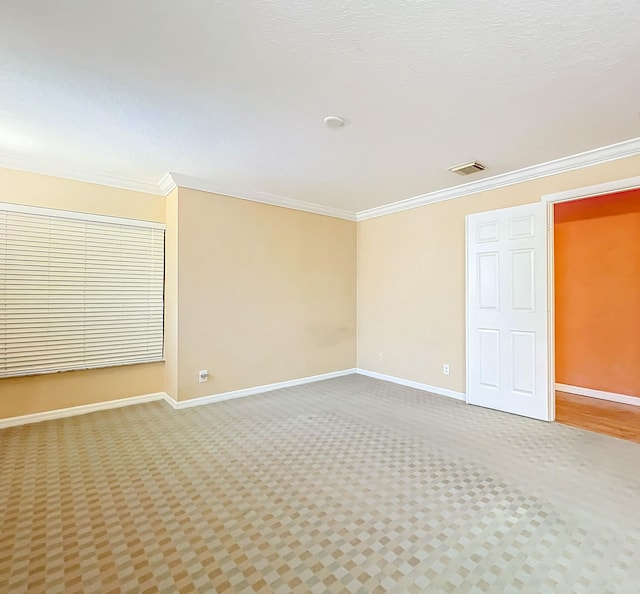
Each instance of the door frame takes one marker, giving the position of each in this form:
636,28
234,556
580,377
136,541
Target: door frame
613,187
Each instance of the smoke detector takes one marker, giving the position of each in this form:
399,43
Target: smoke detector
467,168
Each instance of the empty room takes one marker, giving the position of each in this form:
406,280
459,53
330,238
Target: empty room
319,297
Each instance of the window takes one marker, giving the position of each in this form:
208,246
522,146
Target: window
78,291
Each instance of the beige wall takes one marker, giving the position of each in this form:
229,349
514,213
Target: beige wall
258,294
254,293
411,277
21,187
265,294
26,395
20,396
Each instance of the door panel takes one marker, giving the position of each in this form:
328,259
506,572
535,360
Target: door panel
507,310
488,280
489,352
523,281
523,347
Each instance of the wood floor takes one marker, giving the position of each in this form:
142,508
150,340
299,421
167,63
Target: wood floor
610,418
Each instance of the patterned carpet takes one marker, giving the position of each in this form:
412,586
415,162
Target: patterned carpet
348,485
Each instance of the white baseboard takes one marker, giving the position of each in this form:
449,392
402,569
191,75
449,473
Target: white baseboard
171,402
178,405
412,384
79,410
255,390
600,394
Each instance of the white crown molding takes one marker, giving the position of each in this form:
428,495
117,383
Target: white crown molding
181,404
411,384
628,148
194,183
79,410
167,184
21,163
170,181
599,394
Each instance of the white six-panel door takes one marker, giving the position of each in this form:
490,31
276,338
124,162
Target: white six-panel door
507,361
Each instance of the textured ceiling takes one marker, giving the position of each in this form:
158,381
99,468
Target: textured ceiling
235,91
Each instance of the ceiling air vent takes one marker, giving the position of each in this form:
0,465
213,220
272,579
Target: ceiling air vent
467,168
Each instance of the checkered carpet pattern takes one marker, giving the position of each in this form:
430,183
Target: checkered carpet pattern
346,485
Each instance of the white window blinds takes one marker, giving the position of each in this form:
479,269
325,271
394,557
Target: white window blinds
78,291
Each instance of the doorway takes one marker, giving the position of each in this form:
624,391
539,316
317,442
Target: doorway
496,275
595,256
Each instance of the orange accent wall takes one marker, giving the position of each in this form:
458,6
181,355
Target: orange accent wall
597,292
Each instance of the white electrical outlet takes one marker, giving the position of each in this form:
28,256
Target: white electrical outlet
380,356
445,369
203,375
